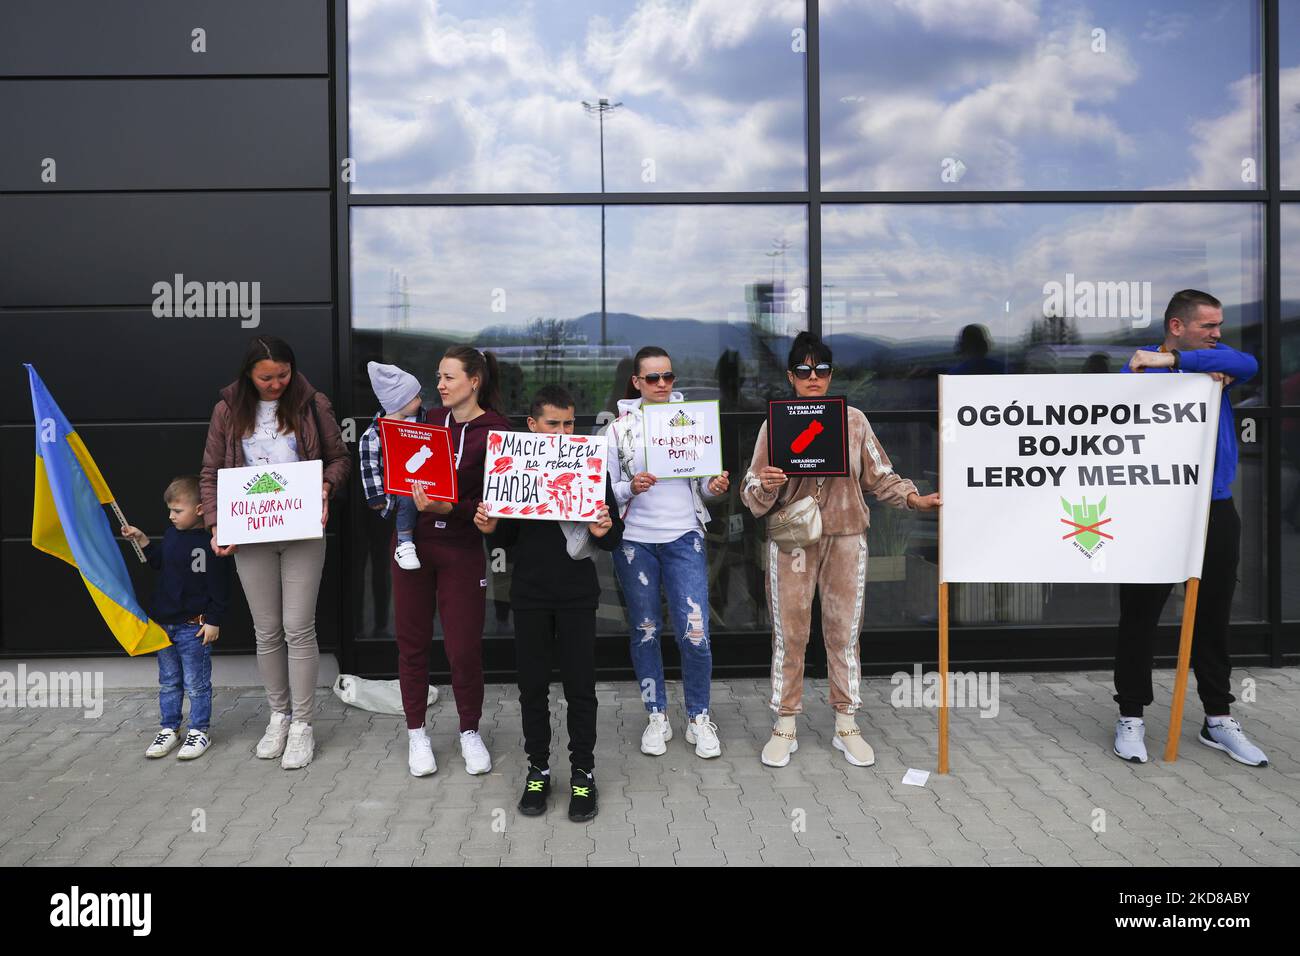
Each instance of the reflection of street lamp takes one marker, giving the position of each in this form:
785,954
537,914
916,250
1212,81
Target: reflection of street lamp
599,109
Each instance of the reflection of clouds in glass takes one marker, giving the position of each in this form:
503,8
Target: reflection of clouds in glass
697,262
465,101
1025,97
1289,104
693,262
929,270
546,261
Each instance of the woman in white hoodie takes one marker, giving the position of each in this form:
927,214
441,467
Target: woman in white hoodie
663,548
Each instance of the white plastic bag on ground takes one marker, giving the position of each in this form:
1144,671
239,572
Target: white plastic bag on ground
377,696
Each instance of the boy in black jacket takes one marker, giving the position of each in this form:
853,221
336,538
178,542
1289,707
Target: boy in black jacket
554,598
190,601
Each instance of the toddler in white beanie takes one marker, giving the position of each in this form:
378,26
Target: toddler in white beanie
398,392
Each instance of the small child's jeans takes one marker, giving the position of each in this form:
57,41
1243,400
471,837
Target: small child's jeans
185,668
407,514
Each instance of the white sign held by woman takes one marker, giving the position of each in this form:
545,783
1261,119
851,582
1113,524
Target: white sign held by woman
682,439
269,503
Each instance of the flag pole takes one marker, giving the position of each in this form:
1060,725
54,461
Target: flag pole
943,613
139,552
1184,661
943,677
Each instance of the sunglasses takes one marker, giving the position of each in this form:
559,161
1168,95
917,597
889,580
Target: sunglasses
822,370
654,377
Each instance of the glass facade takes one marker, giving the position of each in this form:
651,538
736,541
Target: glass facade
565,186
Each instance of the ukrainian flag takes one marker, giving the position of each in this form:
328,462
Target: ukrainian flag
68,521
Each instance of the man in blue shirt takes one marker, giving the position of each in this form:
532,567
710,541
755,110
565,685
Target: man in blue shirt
1193,325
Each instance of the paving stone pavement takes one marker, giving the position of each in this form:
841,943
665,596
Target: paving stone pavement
1035,785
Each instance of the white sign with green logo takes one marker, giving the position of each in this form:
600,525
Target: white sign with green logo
1076,478
269,503
682,439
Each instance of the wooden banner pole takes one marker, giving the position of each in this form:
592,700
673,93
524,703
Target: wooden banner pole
139,552
1184,662
943,677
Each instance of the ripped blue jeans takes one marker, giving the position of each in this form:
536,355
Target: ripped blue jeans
681,568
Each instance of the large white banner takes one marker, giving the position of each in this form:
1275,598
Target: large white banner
1075,478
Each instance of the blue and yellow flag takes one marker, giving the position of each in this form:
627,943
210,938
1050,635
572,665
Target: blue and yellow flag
68,521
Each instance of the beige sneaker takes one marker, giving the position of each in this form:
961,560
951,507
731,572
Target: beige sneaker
277,733
300,747
777,751
848,740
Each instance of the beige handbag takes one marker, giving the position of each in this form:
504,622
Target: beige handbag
798,524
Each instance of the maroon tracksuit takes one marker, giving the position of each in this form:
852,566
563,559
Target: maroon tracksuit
452,580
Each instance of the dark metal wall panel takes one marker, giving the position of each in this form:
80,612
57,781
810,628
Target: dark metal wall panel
137,460
164,134
123,364
45,610
110,249
154,37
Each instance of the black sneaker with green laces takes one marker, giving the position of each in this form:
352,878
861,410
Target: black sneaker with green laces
536,789
582,796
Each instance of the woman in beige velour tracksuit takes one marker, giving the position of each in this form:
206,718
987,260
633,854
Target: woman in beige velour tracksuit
835,565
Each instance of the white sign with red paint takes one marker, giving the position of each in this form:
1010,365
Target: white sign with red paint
541,475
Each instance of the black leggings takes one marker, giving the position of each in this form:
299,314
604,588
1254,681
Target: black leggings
570,636
1139,615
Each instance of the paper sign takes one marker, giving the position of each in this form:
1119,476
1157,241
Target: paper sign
417,454
808,436
269,503
542,475
682,439
1090,479
916,778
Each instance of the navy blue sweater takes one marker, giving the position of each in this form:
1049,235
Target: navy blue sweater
1242,367
184,592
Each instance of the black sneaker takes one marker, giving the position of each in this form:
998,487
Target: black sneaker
536,789
582,796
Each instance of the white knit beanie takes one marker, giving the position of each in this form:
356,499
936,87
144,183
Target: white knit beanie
394,387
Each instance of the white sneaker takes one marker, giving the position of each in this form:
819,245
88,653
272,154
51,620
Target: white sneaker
655,737
1129,739
406,557
704,734
1229,737
419,754
196,744
300,748
163,744
475,752
277,733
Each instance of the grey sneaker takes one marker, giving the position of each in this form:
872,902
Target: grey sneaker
1130,743
1229,738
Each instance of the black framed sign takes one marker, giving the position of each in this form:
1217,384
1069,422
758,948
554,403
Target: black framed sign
809,436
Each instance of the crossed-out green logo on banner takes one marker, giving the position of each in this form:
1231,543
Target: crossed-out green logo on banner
1087,520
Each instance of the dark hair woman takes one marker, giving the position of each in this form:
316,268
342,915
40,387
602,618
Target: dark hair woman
452,577
663,547
272,415
835,564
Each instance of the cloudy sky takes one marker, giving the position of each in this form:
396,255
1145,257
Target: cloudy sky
485,96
